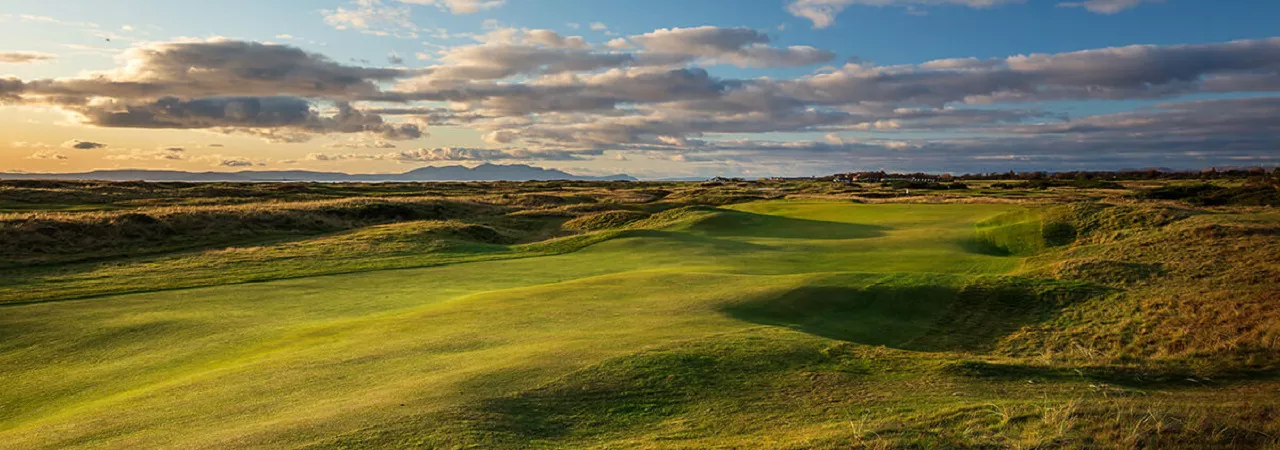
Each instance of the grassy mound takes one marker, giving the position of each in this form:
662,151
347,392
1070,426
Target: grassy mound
1022,233
916,312
604,220
62,237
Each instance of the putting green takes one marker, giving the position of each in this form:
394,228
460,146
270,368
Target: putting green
422,355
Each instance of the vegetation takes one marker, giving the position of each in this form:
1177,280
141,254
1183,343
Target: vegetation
1252,193
735,314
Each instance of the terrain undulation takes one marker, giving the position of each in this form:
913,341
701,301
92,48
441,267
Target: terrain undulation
768,314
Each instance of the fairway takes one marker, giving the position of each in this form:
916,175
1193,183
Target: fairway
779,323
299,361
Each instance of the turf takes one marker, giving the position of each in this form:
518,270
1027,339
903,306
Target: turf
778,324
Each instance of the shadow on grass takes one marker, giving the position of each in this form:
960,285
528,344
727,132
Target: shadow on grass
627,394
697,240
728,223
983,247
1148,376
912,314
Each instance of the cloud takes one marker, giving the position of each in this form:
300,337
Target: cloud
263,89
362,144
507,53
1179,135
459,6
655,108
46,20
24,57
76,144
1138,71
48,155
373,17
538,94
25,144
290,114
162,154
823,12
1107,6
234,162
599,26
220,68
377,18
740,46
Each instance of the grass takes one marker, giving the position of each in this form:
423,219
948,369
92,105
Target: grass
651,323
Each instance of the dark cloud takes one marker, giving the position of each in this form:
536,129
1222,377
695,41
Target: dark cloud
929,96
1140,71
739,46
77,144
221,68
290,116
1178,135
264,89
235,162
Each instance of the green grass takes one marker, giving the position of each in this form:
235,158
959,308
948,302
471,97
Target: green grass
785,324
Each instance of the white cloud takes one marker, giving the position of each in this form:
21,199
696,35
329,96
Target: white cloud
48,155
1107,6
24,57
161,154
823,12
373,17
47,20
380,18
459,6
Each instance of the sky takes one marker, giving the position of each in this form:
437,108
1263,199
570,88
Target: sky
652,88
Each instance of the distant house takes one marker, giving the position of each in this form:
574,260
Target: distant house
842,180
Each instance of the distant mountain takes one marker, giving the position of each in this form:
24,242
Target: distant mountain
483,172
702,178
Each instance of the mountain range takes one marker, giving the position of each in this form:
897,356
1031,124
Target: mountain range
483,172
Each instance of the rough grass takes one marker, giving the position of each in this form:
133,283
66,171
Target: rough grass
43,238
778,324
604,220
